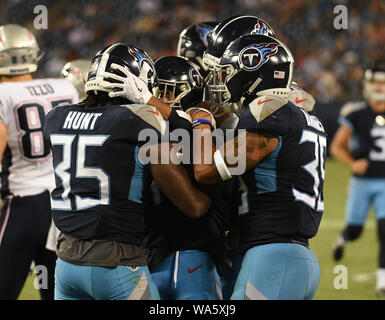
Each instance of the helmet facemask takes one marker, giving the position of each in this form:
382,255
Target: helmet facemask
172,92
220,83
251,66
216,82
374,86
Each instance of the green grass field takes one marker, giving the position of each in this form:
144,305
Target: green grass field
360,256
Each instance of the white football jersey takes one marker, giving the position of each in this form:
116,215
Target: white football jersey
27,163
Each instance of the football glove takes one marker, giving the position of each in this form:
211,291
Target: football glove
132,88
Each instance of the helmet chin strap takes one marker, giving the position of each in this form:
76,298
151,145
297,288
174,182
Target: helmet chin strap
254,85
279,92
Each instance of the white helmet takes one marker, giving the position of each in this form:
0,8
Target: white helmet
374,83
19,51
76,72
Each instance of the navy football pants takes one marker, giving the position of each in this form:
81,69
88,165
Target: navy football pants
24,225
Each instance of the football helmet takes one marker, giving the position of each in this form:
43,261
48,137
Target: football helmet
251,65
231,29
130,57
180,83
374,83
193,42
19,50
76,71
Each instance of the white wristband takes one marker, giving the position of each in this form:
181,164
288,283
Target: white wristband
188,111
146,97
221,166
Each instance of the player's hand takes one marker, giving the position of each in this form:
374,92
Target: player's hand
197,113
201,114
132,88
360,166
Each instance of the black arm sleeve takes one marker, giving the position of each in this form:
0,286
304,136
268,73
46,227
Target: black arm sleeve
178,122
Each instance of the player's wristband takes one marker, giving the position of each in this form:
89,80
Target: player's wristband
194,110
221,166
197,122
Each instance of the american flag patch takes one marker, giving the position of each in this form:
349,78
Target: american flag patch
279,74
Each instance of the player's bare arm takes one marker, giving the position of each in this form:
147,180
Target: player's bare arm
176,184
161,106
339,150
258,146
3,139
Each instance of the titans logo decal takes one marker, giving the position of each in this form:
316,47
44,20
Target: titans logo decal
139,56
142,58
262,28
254,56
204,32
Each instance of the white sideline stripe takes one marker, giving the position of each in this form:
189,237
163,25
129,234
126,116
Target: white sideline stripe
338,224
3,227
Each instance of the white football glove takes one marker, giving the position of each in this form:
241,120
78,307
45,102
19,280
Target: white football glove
133,88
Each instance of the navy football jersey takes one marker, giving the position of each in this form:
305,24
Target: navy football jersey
285,190
168,229
368,136
99,177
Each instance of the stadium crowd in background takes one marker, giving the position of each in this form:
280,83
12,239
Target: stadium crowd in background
329,66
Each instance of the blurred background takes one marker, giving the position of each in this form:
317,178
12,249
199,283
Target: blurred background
329,64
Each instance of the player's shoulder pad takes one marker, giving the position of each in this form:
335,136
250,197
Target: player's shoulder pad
264,106
351,107
301,99
148,114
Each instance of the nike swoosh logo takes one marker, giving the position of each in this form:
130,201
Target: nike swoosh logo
260,102
156,112
195,269
299,101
